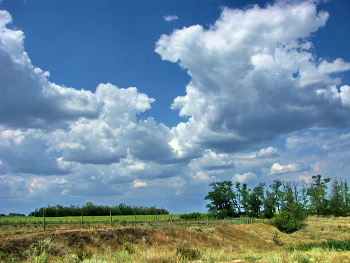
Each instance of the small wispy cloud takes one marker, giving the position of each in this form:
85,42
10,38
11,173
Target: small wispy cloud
170,18
138,184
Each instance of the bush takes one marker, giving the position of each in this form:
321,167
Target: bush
192,216
287,222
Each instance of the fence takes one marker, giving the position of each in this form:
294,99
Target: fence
105,222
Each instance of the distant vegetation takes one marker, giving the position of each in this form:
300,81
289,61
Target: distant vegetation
89,209
13,214
288,202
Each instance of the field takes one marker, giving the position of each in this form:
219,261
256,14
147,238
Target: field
89,222
320,240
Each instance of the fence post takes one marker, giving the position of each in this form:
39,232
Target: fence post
110,217
135,218
82,217
44,222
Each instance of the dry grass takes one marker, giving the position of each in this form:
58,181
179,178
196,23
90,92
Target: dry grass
252,243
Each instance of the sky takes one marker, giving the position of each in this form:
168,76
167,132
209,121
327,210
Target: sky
148,102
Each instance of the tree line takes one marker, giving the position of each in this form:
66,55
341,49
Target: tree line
90,209
319,196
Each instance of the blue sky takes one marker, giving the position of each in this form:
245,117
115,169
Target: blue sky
147,102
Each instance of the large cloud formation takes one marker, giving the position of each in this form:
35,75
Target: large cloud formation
255,77
28,99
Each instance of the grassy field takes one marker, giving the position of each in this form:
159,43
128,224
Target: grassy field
78,219
77,222
320,240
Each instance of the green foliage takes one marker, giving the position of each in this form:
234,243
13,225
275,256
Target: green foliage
71,258
192,216
90,209
255,200
309,197
38,253
3,255
276,238
195,229
188,253
287,222
330,245
222,199
317,192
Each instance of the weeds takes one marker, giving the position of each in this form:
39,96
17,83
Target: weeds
329,245
38,253
188,253
195,229
71,258
252,243
276,238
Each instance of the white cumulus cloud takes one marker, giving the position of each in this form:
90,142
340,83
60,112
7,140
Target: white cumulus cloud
254,77
277,168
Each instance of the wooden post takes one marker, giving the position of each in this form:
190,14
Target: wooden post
110,217
135,217
44,222
82,217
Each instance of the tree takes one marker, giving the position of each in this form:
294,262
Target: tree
276,194
222,199
339,198
244,193
317,192
255,200
269,205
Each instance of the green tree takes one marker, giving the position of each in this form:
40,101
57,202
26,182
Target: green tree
244,193
255,200
338,202
276,194
269,204
222,199
317,192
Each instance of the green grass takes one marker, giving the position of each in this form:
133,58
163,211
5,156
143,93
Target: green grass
78,219
329,245
25,222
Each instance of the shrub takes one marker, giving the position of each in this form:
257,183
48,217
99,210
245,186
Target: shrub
192,216
287,222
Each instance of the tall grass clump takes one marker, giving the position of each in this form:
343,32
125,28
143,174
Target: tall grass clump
329,245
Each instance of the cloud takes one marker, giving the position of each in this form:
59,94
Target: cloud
170,18
276,168
213,161
269,152
254,78
28,99
245,178
138,184
103,140
26,152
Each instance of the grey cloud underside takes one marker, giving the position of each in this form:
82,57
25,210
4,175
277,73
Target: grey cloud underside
30,101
